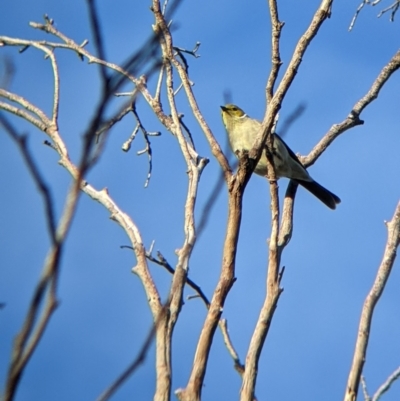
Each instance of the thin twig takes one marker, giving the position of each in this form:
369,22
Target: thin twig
161,261
364,389
191,52
27,105
359,8
112,121
127,144
386,385
187,130
147,149
23,114
157,95
393,7
223,324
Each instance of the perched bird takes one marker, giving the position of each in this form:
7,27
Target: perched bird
242,131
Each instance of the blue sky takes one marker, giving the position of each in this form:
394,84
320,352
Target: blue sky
330,262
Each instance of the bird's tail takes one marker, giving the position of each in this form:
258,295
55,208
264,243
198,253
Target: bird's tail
325,196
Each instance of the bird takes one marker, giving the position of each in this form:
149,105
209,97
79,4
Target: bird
242,132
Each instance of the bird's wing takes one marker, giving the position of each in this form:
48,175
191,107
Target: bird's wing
295,169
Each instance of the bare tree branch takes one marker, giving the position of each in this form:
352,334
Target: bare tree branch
161,28
276,27
160,55
386,385
360,7
353,119
276,242
30,334
393,8
41,119
372,299
223,324
37,319
364,389
147,149
271,299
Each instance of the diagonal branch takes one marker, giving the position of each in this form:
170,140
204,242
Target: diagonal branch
40,118
274,105
44,299
38,316
353,119
370,302
386,385
223,324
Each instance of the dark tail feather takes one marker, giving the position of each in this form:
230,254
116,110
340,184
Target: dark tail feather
325,196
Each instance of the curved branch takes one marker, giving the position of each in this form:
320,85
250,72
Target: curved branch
27,105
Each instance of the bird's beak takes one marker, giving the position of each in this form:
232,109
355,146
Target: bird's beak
223,108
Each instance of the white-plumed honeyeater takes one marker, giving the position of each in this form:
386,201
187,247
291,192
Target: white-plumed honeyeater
242,131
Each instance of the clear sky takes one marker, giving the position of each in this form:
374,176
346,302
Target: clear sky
330,262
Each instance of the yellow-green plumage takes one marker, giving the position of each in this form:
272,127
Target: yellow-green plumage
242,131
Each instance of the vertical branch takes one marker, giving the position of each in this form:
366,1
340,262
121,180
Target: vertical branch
373,296
273,292
275,103
236,187
276,28
195,167
56,96
277,242
286,228
193,390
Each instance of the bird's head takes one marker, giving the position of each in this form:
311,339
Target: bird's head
231,111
